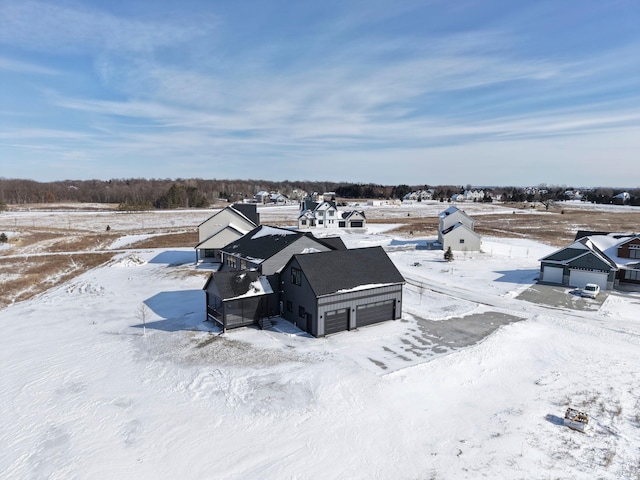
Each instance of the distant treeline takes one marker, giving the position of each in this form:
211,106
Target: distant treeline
139,193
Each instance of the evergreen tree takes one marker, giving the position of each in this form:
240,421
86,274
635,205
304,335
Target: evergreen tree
448,255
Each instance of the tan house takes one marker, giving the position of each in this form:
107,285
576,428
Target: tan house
224,227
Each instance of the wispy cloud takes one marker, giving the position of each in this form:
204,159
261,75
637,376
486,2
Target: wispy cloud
24,67
49,27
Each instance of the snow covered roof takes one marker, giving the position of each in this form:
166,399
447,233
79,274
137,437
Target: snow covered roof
235,285
348,270
265,241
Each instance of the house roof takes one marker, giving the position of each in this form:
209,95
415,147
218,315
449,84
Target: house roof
265,241
451,210
346,215
234,285
220,232
581,247
232,210
457,225
334,243
340,270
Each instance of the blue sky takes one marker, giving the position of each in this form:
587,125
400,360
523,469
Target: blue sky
418,92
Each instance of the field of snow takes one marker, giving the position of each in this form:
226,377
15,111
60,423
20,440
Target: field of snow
116,374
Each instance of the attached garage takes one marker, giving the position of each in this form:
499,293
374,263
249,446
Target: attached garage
579,278
552,274
377,312
336,321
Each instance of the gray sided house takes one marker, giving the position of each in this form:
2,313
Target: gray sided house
332,291
263,252
237,299
580,263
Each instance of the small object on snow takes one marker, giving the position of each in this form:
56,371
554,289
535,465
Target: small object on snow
575,419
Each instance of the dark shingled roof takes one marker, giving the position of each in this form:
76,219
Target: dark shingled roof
264,245
329,272
270,240
235,283
334,243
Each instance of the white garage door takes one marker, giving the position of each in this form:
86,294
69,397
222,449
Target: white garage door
552,274
579,278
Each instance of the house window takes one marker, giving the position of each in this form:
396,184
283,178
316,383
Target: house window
462,240
303,222
296,276
289,306
634,253
302,312
331,212
320,222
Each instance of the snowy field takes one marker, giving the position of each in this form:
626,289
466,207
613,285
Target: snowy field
116,374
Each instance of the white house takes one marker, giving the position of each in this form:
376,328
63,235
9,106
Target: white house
456,230
325,214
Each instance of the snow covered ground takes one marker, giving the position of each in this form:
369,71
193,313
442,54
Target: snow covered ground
115,374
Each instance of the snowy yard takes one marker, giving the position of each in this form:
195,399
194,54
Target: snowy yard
115,374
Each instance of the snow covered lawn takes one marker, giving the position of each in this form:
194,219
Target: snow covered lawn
117,375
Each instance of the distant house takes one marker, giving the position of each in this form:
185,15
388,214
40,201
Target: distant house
621,198
325,214
606,259
223,227
262,197
456,230
333,291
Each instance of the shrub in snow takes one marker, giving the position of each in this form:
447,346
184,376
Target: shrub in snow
448,255
3,238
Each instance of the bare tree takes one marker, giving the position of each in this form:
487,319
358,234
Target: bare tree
142,314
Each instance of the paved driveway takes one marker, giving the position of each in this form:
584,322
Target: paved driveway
562,297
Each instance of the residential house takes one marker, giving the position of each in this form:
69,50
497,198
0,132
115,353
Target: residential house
262,197
223,227
606,259
456,230
333,291
325,214
263,250
317,284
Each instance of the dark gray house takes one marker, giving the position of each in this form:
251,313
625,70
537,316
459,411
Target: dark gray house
261,253
332,291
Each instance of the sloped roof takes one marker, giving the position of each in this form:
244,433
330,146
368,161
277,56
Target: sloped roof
337,270
228,228
451,210
239,284
233,210
334,243
264,242
579,248
459,225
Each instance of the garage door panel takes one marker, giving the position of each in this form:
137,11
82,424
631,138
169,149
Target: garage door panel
579,278
552,274
336,321
374,313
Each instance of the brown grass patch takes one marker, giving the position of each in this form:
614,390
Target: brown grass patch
175,240
36,274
